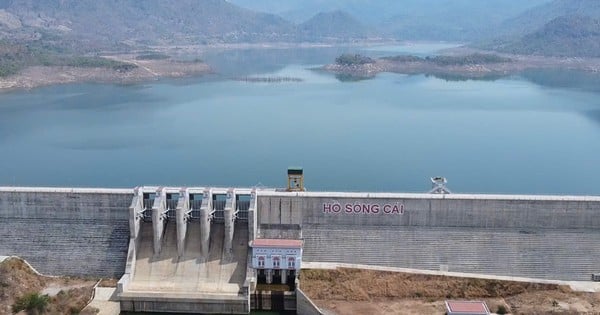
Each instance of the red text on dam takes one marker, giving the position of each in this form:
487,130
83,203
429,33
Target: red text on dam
363,208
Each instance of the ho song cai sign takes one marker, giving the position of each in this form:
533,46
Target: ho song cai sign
360,208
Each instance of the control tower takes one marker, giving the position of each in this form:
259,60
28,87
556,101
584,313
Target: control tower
295,179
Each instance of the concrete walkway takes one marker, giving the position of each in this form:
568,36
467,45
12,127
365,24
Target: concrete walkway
106,301
581,286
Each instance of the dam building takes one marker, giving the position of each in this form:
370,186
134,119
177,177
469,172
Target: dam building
227,250
276,260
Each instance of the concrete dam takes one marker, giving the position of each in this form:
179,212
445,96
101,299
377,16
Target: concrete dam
203,249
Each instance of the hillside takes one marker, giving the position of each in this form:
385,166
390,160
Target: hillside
334,25
64,295
93,25
565,36
453,20
462,20
149,21
537,17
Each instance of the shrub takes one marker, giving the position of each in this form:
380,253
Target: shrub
404,58
501,310
126,67
33,304
467,60
152,56
349,59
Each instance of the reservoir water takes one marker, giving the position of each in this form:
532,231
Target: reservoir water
532,133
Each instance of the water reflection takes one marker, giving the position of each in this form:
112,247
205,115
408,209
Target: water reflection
593,115
346,77
571,79
389,133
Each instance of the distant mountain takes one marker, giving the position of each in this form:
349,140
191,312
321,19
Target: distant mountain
148,21
565,36
536,17
334,25
454,20
450,20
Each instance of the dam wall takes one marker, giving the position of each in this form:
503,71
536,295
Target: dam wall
64,231
548,237
86,232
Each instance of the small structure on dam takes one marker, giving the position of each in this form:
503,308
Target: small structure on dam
276,260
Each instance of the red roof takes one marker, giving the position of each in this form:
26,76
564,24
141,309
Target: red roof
467,307
282,243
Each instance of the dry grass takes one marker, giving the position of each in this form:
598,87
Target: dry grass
17,280
346,291
70,302
108,283
366,285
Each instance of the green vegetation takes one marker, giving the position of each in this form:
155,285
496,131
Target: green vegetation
472,59
33,304
501,310
124,67
565,36
152,56
14,58
345,77
403,58
79,61
333,25
356,59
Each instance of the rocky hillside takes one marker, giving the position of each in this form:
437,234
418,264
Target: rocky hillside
462,20
537,17
121,23
133,21
334,25
565,36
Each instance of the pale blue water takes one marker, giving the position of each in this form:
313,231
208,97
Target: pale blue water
534,133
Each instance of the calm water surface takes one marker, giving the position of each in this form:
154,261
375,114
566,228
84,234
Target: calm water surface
534,133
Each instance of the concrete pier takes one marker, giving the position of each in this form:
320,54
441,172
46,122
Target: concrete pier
159,219
183,216
229,221
206,212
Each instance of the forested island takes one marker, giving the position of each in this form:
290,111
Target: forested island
473,65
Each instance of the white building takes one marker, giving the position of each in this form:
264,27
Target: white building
277,260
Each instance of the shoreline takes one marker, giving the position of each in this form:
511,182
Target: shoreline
152,70
475,70
145,71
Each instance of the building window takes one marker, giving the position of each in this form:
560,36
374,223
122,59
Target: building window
291,262
261,261
276,262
